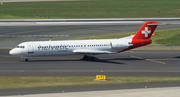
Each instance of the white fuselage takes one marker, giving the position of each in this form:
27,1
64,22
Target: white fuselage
52,48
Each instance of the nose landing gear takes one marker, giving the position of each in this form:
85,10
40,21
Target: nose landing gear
26,60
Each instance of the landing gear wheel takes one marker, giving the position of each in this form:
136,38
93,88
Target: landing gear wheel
85,57
26,60
92,58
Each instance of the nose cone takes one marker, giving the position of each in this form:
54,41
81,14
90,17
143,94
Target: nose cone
16,52
12,52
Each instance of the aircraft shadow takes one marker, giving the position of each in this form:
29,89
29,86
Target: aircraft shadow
75,60
104,61
97,60
125,59
112,61
50,60
177,57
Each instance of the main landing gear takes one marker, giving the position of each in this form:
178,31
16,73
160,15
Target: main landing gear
26,60
90,58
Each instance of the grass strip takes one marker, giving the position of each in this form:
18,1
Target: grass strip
174,40
90,9
156,48
168,37
16,82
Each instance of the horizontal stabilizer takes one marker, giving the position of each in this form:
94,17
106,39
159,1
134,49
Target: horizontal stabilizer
159,24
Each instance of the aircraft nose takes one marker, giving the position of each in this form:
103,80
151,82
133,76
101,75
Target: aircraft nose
12,52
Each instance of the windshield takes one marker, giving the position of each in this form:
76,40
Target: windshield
20,47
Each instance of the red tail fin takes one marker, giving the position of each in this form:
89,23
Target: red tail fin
147,30
142,37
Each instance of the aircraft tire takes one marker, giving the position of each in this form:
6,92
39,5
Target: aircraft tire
26,60
92,58
85,57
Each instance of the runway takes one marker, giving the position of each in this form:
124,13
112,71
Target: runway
130,63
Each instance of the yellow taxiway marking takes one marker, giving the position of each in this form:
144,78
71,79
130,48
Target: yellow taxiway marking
53,57
168,59
39,57
6,56
6,48
151,60
9,62
49,58
33,35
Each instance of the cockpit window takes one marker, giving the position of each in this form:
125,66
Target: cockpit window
20,47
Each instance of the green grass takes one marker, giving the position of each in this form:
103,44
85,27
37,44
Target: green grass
156,48
91,9
169,37
12,82
166,38
174,40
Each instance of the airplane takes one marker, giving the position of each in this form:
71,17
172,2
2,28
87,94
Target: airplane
88,48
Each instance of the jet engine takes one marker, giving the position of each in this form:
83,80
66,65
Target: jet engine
116,45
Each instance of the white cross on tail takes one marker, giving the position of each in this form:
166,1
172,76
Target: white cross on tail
146,32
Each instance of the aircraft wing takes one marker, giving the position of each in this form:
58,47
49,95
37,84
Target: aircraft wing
82,51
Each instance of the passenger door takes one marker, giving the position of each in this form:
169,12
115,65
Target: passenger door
30,48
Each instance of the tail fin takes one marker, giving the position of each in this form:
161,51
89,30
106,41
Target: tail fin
146,31
142,37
